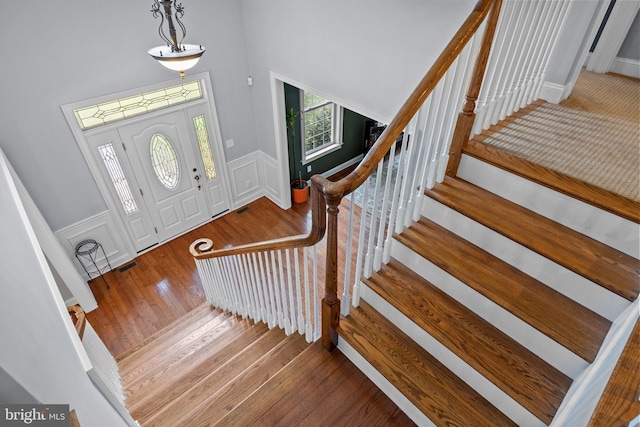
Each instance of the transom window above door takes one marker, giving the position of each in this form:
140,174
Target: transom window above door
131,106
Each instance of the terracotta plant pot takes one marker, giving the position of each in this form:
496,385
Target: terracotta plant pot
299,191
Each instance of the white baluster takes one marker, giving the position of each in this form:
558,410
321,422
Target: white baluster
265,290
299,292
505,64
255,274
316,298
283,295
245,286
536,65
361,246
368,260
346,295
225,303
307,297
561,17
377,261
495,72
292,306
428,174
241,285
275,290
393,216
406,161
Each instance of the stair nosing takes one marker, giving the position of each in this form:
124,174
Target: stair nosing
598,325
591,270
536,367
419,354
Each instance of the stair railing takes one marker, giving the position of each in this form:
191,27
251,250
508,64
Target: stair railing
260,280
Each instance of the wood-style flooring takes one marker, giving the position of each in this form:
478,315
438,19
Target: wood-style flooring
164,284
146,299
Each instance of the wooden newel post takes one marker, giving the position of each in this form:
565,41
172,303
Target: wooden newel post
331,303
467,116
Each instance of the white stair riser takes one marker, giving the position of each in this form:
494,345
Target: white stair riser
460,368
600,225
546,348
589,294
383,384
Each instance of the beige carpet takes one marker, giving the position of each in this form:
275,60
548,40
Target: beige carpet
593,136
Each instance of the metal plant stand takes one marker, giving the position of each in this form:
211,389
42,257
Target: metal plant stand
86,253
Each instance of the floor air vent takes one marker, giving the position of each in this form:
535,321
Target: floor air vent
126,267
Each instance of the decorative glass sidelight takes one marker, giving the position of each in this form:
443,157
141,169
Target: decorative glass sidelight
202,133
118,179
164,161
131,106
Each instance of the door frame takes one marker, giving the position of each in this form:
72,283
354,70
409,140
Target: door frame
207,104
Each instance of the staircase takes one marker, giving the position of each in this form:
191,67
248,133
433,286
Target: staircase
490,307
213,368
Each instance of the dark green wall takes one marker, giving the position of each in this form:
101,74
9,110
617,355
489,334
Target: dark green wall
352,136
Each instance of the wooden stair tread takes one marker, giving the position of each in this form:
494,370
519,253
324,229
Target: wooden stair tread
174,329
316,375
169,382
608,267
437,392
259,373
173,352
560,318
250,411
529,380
218,377
588,193
619,404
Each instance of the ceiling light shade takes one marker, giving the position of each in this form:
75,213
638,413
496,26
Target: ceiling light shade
174,55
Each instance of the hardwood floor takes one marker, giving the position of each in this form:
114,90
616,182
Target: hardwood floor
154,300
164,285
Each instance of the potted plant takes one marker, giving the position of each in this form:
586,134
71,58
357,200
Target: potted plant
299,187
299,190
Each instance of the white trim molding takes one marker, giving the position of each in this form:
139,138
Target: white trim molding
613,35
245,180
552,92
101,228
626,67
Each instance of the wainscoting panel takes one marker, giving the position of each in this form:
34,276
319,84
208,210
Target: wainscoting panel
102,229
244,174
272,188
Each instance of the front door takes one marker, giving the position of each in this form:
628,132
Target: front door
167,171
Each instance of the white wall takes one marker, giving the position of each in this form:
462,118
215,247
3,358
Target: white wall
40,348
370,54
69,51
572,41
630,48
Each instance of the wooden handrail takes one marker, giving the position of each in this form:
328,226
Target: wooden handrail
203,248
326,195
352,181
78,317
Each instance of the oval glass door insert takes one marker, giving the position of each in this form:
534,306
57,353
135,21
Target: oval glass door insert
164,161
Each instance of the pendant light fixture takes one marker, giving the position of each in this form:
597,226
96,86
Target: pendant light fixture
174,55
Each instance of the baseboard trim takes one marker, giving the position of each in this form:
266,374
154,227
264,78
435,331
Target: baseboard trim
552,92
626,67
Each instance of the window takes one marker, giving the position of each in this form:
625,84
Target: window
205,147
321,121
164,161
131,106
118,179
